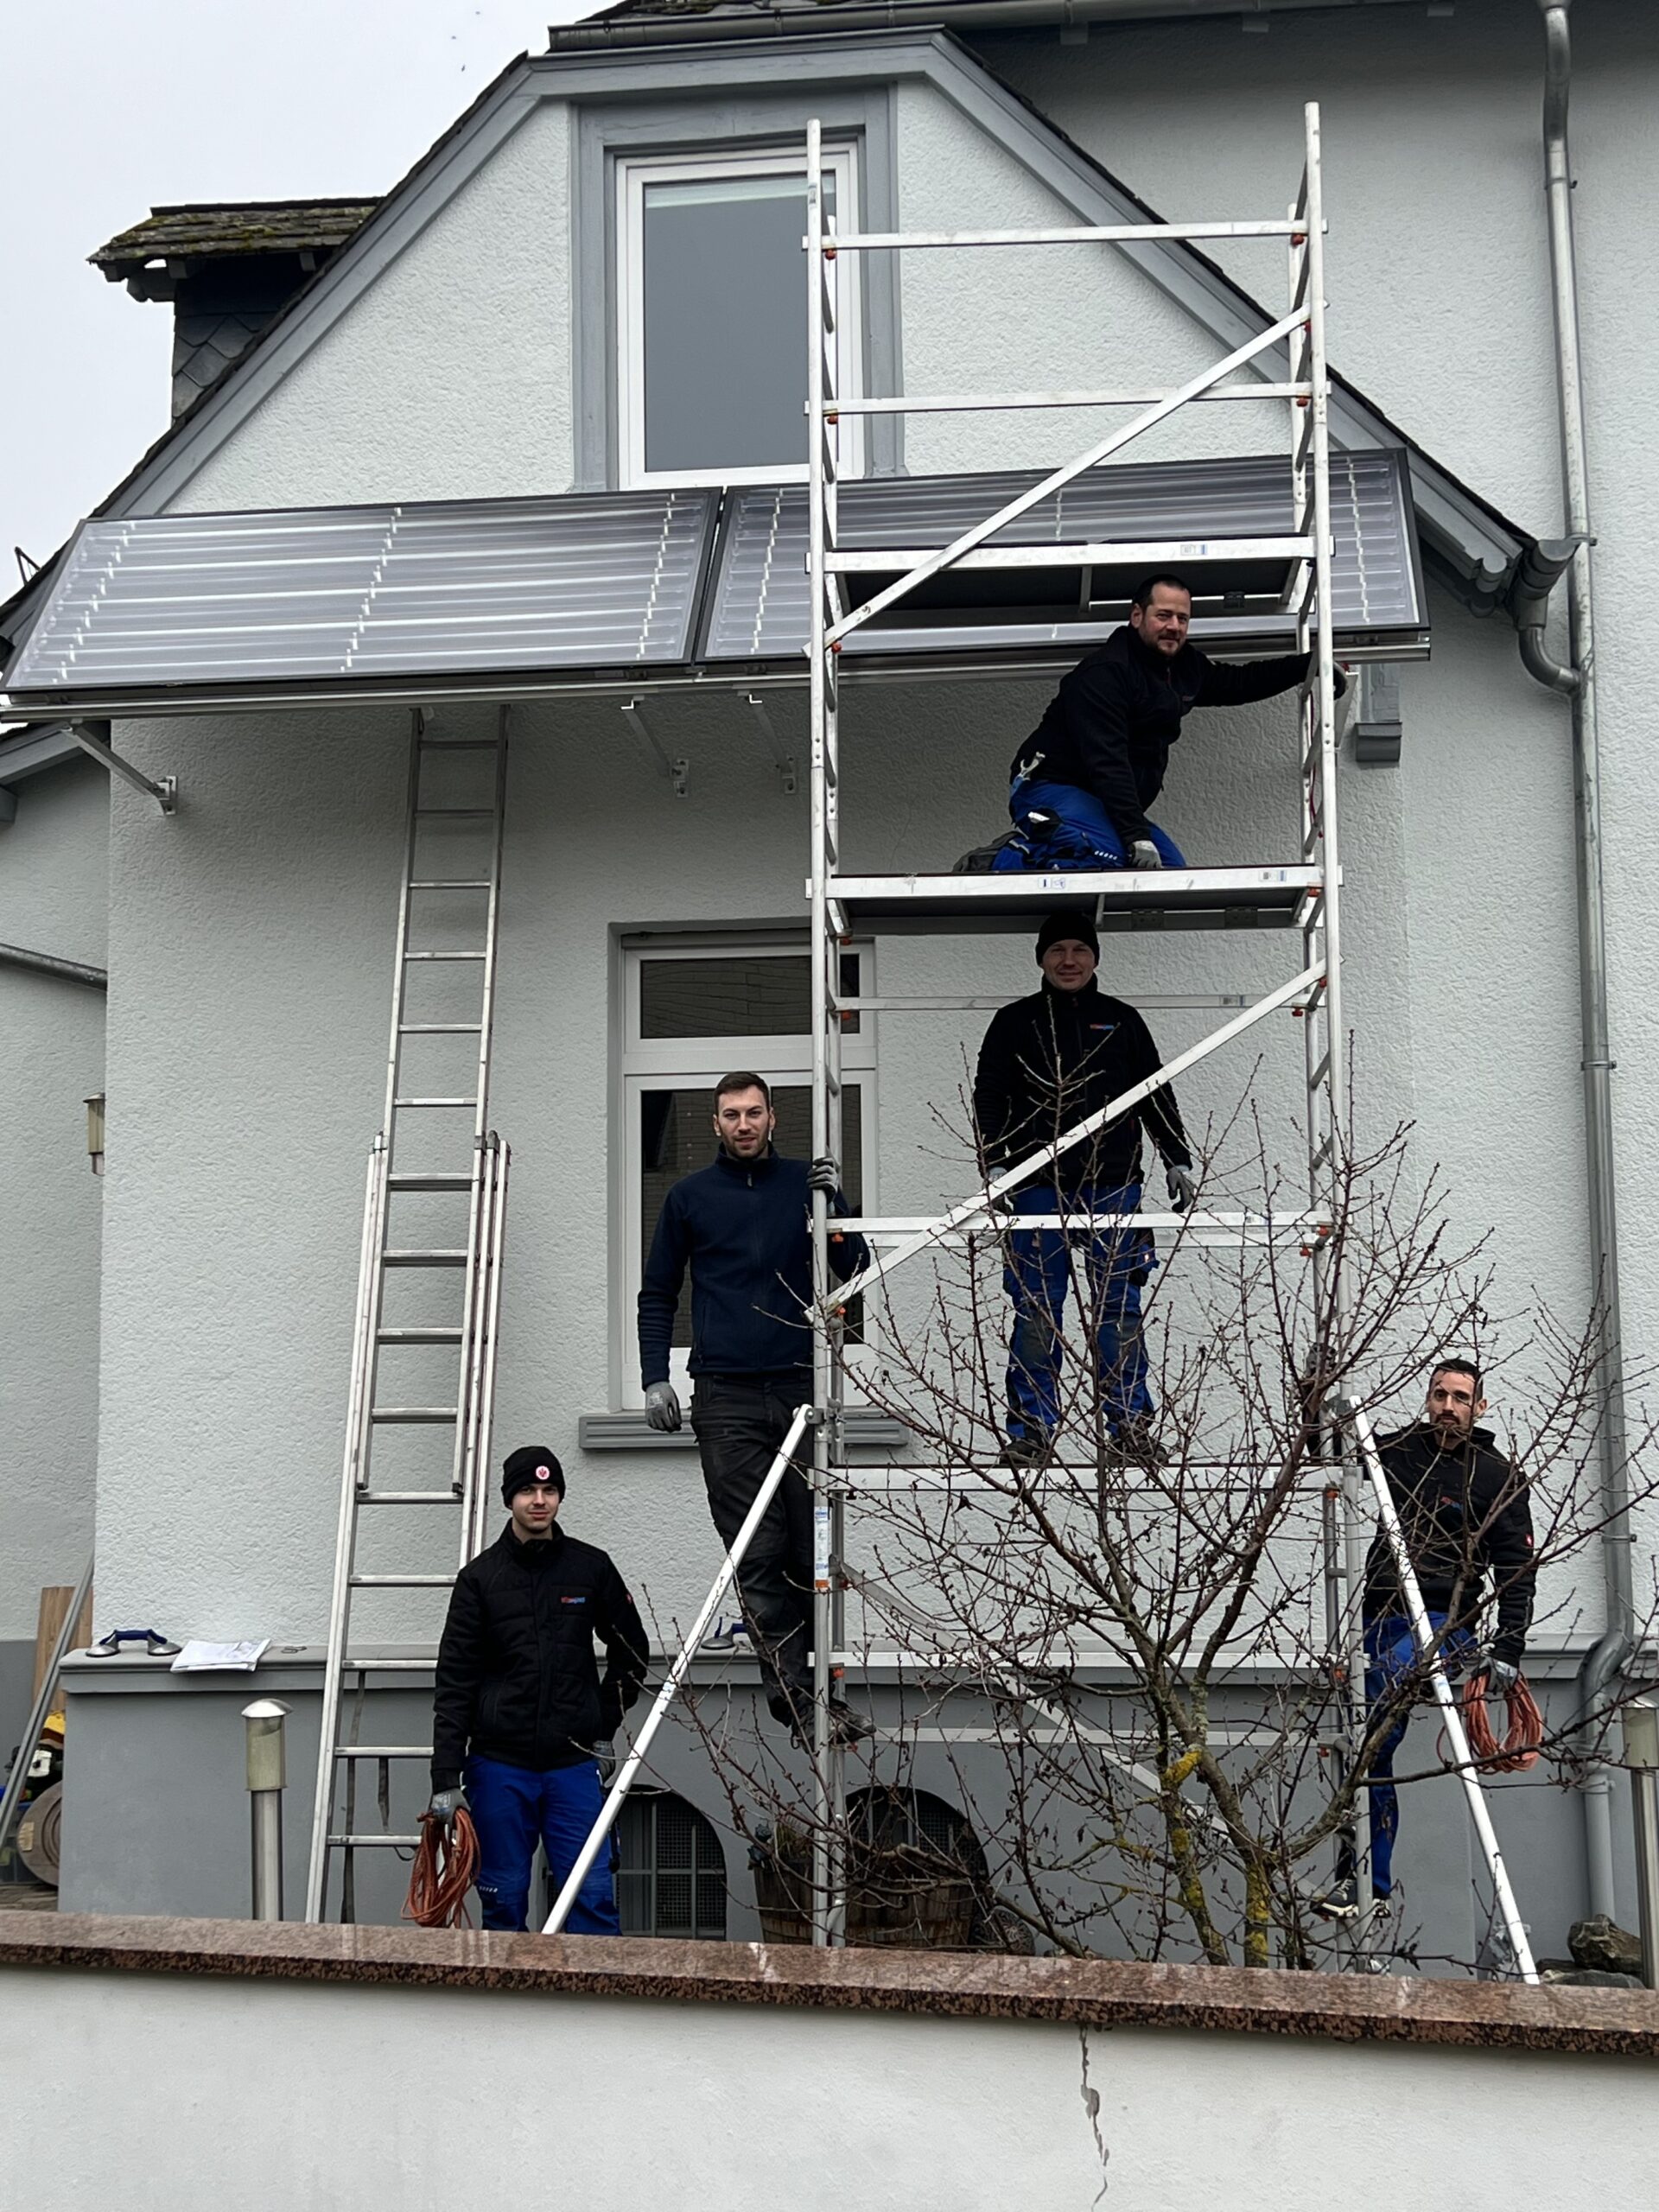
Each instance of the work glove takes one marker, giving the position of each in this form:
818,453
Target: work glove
1180,1185
446,1803
824,1175
605,1759
1143,853
662,1409
1500,1676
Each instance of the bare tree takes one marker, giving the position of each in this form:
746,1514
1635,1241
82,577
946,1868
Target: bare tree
1137,1666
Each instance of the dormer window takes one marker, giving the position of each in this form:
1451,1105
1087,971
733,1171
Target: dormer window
711,362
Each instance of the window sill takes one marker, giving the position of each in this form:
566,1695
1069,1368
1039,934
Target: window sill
630,1432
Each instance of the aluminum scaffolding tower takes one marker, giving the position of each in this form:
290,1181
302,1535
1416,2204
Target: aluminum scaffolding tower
452,869
1304,898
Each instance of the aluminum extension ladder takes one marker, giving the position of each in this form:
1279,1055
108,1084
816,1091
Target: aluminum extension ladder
421,1163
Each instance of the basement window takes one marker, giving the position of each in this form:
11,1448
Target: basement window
711,294
670,1875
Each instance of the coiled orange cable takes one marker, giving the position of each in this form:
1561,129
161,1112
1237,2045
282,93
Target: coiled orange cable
445,1865
1524,1736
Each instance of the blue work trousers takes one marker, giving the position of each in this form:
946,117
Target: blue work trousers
1107,1269
513,1807
1082,835
1390,1659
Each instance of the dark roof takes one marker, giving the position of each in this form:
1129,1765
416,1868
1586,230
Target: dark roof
203,230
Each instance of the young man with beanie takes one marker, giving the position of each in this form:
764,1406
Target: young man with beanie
1082,782
1047,1062
519,1713
742,1225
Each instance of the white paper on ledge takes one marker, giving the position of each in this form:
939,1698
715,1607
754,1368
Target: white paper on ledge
220,1658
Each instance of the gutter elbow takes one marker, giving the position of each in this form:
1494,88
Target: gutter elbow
1541,664
1540,568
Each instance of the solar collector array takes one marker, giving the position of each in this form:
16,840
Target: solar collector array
324,599
312,596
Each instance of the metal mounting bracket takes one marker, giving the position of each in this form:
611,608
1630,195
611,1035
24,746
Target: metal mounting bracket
677,771
782,761
94,739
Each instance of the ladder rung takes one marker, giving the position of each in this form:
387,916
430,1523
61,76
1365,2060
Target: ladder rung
422,1257
407,1497
412,1182
374,1843
433,1336
450,883
446,956
434,1102
383,1750
402,1581
389,1666
440,1028
431,1415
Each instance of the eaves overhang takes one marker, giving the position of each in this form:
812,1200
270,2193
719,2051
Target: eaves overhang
638,22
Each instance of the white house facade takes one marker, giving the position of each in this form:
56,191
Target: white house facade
492,333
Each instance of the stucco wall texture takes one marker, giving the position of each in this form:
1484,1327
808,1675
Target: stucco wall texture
678,2105
52,899
256,929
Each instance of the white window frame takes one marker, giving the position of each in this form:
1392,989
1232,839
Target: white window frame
633,173
688,1063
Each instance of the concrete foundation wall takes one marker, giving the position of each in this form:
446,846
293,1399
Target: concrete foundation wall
256,2090
156,1809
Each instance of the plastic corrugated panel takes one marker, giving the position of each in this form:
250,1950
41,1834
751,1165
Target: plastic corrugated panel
307,595
759,609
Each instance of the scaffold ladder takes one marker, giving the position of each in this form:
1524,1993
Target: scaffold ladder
435,1157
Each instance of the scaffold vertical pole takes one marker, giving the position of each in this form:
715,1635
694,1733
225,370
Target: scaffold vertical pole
829,1905
1325,1038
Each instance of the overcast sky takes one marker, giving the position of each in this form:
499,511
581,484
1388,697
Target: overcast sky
115,106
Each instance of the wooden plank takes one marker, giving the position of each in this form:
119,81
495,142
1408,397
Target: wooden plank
54,1605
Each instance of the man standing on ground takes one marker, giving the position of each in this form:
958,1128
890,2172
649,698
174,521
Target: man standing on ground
519,1712
1465,1514
1096,760
1047,1062
742,1225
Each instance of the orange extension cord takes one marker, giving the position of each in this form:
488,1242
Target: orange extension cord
441,1877
1525,1736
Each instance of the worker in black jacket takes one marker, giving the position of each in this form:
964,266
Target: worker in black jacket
1465,1515
1096,760
742,1226
1047,1062
520,1714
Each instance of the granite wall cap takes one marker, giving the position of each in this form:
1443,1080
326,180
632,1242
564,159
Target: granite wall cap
1094,1993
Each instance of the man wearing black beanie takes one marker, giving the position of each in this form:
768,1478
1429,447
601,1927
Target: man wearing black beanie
1047,1062
519,1712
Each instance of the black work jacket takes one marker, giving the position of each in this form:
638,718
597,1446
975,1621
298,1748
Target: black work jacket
1109,727
1049,1061
517,1678
1465,1514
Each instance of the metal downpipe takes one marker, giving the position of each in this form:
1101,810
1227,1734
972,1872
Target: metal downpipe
1602,1667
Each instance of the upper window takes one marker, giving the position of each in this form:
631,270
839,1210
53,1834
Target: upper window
711,354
